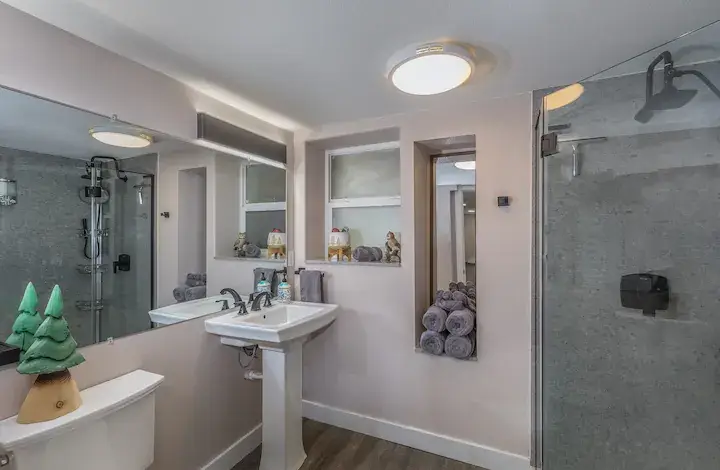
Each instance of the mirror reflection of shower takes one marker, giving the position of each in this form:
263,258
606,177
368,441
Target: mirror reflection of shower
140,188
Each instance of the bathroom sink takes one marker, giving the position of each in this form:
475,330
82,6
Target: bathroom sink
278,324
188,310
280,331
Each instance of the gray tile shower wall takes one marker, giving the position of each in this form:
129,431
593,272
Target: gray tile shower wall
623,391
39,236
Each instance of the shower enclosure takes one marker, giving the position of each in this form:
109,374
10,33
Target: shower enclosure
627,331
96,244
118,247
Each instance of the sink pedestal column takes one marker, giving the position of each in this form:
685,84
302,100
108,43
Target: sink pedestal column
282,445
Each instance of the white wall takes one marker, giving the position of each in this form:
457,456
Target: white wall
192,222
366,363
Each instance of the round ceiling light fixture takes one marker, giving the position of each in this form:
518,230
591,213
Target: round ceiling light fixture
121,137
465,165
431,69
564,96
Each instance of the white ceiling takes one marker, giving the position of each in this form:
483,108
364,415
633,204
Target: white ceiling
311,62
36,125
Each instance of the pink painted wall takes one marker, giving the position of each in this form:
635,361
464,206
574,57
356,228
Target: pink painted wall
366,362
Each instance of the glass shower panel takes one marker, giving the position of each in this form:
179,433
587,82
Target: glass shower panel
126,290
631,201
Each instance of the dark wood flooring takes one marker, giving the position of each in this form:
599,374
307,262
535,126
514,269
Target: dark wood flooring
328,447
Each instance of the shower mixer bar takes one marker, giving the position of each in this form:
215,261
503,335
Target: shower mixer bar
576,162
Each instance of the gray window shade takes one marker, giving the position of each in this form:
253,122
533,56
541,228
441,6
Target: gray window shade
259,224
264,184
366,174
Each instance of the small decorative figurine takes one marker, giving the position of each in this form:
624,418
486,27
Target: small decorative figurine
339,245
239,245
276,244
54,393
392,248
27,322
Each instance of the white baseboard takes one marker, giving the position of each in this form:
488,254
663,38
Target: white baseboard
237,451
446,446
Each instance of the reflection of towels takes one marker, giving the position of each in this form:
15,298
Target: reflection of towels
270,276
434,319
311,286
194,283
194,293
179,293
433,342
194,277
460,347
460,322
367,254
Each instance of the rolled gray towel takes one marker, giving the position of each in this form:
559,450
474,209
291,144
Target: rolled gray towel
460,322
460,347
194,277
377,253
194,283
362,254
451,301
194,293
204,278
434,319
433,342
252,251
180,293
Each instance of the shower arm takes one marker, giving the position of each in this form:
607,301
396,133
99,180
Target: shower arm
668,74
701,76
118,172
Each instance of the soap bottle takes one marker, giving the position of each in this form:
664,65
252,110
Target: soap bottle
263,285
284,290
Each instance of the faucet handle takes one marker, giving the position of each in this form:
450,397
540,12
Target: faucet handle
225,305
267,301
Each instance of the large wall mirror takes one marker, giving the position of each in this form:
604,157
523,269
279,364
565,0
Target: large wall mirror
120,222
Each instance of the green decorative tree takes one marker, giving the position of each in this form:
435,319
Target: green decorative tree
54,349
27,322
54,393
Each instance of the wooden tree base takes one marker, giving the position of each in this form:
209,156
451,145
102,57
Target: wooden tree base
51,396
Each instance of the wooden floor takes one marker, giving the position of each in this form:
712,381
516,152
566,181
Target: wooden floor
328,447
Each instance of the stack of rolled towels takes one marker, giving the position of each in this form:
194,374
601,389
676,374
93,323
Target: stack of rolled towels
450,322
195,287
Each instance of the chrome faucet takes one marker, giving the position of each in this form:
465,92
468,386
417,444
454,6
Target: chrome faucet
237,300
225,305
255,299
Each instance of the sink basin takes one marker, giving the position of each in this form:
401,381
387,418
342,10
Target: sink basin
278,324
280,331
188,310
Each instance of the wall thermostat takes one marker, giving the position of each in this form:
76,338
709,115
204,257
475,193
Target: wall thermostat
503,201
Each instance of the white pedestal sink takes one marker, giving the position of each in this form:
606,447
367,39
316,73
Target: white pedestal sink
280,332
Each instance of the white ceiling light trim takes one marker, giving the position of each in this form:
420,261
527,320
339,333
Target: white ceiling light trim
431,69
238,153
119,137
465,165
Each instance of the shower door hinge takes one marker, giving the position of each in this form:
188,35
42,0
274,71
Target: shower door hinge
549,144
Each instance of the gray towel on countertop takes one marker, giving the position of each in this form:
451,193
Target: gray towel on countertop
252,251
179,293
311,286
195,293
460,347
434,319
433,342
270,276
460,322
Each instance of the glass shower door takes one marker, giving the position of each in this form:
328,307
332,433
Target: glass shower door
126,290
630,270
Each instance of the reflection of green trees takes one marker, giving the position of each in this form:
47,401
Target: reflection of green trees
54,348
27,321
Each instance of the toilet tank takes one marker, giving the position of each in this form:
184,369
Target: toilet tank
114,429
